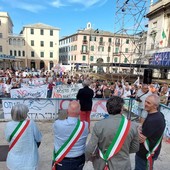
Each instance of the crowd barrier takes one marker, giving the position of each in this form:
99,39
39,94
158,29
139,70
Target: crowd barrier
48,109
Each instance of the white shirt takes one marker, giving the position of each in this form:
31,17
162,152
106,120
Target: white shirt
24,154
62,131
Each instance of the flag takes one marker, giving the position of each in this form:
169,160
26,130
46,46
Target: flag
163,34
137,82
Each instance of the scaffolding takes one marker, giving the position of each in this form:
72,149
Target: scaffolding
130,21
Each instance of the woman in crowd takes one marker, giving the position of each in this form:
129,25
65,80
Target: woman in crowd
24,139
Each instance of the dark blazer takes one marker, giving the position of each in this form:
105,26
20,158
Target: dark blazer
85,96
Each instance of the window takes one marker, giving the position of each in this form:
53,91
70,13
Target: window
115,59
42,32
0,48
32,31
51,54
116,50
75,58
32,42
84,38
84,48
117,42
41,54
92,48
110,40
19,53
32,53
0,35
10,41
109,49
51,32
42,43
51,44
125,60
0,22
72,58
92,38
126,50
10,52
91,58
15,53
84,58
23,53
75,47
154,25
127,41
108,59
101,39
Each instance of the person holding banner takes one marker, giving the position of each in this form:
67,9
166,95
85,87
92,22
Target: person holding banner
69,140
150,135
113,139
85,96
24,139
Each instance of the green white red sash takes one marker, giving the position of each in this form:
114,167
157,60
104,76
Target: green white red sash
117,142
66,147
17,133
151,153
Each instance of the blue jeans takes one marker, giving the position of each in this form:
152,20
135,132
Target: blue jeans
141,164
71,163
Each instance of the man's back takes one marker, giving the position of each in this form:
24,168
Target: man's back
103,134
85,96
62,131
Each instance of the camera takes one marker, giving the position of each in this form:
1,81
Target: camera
138,99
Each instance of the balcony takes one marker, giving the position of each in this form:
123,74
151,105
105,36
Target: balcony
85,41
117,43
84,52
101,43
116,54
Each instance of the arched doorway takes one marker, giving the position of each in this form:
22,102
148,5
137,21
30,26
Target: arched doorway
42,65
32,64
51,64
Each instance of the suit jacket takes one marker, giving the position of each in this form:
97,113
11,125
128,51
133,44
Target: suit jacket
102,136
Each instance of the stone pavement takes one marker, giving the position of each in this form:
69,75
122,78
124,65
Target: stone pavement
46,149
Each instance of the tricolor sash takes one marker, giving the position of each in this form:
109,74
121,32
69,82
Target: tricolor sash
151,153
117,142
66,147
17,133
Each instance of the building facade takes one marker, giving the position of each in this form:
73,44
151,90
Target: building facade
158,36
37,45
89,46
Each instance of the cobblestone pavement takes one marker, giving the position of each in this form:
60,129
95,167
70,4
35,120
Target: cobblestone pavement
46,149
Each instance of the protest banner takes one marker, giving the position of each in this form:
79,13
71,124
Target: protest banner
30,92
98,109
66,91
39,109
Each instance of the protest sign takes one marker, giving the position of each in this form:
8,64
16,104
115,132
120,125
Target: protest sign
29,92
66,91
39,109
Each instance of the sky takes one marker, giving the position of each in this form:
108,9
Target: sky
67,15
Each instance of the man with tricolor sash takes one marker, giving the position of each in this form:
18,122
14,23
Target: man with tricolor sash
113,139
69,140
150,135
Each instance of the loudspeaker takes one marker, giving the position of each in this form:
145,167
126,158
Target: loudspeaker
147,77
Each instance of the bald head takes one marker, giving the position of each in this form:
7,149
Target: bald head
73,109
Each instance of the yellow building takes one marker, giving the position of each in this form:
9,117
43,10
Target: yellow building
37,45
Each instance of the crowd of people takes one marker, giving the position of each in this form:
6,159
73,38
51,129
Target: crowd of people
101,88
112,139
